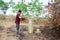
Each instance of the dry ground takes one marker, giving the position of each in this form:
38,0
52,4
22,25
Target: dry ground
8,31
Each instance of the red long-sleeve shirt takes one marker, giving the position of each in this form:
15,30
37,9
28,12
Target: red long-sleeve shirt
17,20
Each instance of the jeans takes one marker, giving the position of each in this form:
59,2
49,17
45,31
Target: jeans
17,28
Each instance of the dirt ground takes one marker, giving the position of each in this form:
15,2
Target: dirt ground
8,32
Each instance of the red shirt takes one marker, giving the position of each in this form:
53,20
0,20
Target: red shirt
17,20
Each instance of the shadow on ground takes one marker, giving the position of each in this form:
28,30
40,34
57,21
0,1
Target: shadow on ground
51,33
1,28
47,33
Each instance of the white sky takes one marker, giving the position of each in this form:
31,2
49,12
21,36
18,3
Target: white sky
9,10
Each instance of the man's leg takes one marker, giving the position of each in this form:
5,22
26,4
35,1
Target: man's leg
17,27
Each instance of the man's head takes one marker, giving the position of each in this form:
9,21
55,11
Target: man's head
19,11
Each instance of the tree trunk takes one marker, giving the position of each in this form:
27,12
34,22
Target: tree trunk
30,25
4,14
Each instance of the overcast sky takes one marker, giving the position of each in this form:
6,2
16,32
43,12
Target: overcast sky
44,1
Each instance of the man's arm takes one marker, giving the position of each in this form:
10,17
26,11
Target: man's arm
20,17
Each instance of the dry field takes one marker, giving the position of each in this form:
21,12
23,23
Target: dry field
8,30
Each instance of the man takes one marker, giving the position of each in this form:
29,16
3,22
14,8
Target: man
17,21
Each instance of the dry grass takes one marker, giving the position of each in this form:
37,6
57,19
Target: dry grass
9,22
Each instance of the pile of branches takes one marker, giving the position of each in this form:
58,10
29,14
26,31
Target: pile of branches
55,11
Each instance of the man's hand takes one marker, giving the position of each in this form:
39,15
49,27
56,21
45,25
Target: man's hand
20,17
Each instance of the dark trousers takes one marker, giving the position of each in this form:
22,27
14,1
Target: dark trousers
17,27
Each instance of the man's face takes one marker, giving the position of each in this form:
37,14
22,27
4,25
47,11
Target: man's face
19,12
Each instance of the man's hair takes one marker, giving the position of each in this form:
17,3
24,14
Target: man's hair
19,11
